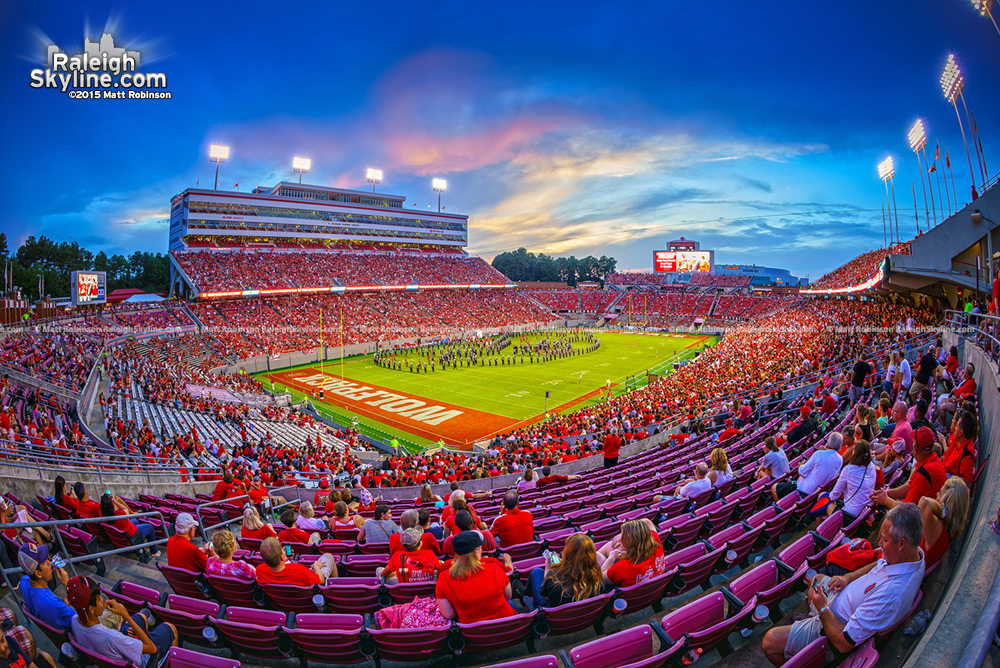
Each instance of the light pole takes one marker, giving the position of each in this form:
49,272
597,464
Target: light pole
952,84
984,7
300,166
439,185
886,172
374,176
218,153
918,140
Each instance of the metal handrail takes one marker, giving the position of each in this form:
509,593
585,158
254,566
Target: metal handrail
208,504
71,561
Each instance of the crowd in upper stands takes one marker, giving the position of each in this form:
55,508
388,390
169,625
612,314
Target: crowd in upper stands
246,270
859,269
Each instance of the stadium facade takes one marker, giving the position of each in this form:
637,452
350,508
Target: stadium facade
290,211
761,276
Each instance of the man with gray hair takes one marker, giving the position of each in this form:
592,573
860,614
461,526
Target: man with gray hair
515,526
822,467
850,609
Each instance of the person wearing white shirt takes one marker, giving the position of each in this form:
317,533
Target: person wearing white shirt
856,482
820,469
905,372
872,599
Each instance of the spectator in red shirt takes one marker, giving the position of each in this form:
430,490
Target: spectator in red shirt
293,534
322,494
86,507
549,479
254,527
62,498
960,457
636,555
515,526
612,445
411,563
112,506
277,569
472,589
464,522
410,519
181,553
926,479
223,486
950,403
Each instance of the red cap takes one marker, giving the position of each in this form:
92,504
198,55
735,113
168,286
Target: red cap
924,438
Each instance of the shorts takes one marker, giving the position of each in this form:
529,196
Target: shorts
610,462
802,633
785,488
162,637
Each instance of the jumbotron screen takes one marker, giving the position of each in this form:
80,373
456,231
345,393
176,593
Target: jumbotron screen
683,261
88,287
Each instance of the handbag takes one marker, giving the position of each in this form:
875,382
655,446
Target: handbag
853,555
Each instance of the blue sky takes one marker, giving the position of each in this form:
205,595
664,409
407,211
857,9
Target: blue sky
583,128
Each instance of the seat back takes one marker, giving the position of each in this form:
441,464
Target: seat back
410,644
812,655
98,660
404,592
355,594
541,661
233,591
573,617
57,636
178,657
328,638
252,631
291,598
188,615
649,592
182,581
494,634
617,649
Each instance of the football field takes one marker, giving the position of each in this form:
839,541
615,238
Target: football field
466,404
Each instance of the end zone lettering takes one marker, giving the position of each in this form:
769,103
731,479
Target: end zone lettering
400,404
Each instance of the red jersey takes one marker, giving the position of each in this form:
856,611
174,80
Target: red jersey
182,554
293,573
513,527
478,597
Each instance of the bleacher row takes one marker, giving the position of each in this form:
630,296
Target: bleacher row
179,422
703,539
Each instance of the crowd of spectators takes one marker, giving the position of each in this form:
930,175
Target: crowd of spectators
60,358
216,271
860,269
702,280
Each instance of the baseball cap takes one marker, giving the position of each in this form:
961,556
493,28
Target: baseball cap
324,483
410,538
78,593
184,523
30,556
466,542
924,438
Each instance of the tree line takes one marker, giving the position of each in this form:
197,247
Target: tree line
52,262
521,265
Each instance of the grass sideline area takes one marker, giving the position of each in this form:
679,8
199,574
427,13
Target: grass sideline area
486,399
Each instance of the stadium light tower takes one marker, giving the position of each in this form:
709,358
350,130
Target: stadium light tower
439,185
952,84
984,7
918,142
374,176
300,166
886,172
218,153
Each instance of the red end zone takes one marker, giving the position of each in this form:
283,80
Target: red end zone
417,415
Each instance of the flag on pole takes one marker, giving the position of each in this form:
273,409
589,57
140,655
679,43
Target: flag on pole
947,159
937,152
197,181
933,168
237,185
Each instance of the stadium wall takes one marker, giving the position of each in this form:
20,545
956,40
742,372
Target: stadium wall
29,481
971,592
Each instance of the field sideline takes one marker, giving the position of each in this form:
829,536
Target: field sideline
466,404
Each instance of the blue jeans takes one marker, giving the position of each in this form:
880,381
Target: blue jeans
535,579
147,531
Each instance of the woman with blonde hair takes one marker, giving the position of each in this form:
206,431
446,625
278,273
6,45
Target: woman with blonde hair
473,589
719,472
307,520
944,518
222,562
576,576
636,554
254,527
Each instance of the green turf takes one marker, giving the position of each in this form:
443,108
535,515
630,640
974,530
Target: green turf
518,391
